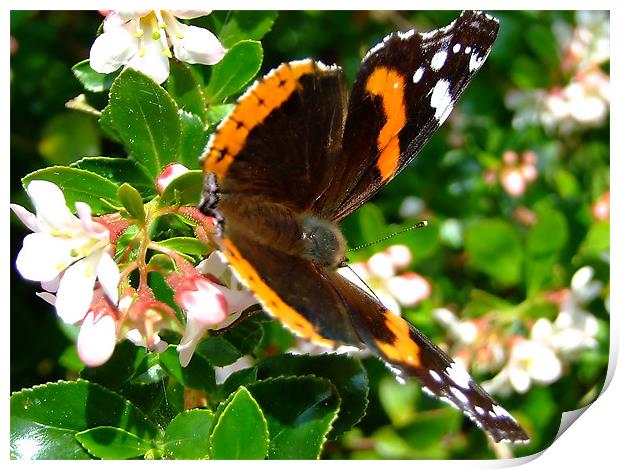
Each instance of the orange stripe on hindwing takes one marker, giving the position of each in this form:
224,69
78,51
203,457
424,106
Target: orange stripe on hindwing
250,111
269,299
403,349
389,85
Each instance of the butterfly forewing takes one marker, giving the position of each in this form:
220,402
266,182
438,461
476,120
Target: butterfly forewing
406,87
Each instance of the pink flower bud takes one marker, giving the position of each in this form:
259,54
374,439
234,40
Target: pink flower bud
400,255
513,181
170,172
510,157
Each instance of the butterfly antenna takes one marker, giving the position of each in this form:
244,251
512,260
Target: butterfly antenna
344,265
424,223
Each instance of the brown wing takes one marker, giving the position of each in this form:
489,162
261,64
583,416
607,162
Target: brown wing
406,87
412,354
280,141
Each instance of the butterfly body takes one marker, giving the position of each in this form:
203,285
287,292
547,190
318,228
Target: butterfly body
298,154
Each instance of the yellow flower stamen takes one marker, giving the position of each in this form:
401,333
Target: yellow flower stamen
166,51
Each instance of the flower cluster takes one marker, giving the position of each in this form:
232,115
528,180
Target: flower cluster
379,275
75,258
539,357
141,39
515,173
584,101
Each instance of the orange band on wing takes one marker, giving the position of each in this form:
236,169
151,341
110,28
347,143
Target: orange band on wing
269,299
250,111
389,85
403,349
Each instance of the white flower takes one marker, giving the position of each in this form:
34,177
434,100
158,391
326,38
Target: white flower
141,40
168,174
378,277
530,361
65,253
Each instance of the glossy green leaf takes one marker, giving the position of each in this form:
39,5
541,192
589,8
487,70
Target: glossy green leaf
68,136
91,80
241,431
218,112
185,189
198,374
119,171
346,373
107,125
187,435
545,241
246,335
44,419
119,369
194,140
79,185
218,351
237,379
147,120
188,245
299,413
111,443
132,201
185,89
494,248
240,64
240,25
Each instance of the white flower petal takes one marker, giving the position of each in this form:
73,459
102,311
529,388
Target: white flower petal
109,276
43,257
112,49
237,300
53,285
193,332
50,206
97,339
198,46
76,289
189,14
206,305
215,264
88,224
49,298
519,379
153,63
27,217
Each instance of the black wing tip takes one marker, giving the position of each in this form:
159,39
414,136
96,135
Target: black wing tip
481,20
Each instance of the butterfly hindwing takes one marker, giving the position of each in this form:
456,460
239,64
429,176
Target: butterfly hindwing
411,354
406,88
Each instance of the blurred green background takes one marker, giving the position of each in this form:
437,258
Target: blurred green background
515,186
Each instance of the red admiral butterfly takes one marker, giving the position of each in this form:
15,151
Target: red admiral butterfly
297,155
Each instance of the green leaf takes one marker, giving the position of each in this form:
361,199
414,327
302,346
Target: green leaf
218,112
597,243
240,64
241,430
119,171
44,419
194,139
69,136
544,243
246,335
494,248
237,379
147,120
240,25
107,125
132,201
119,369
185,189
399,400
431,429
91,80
346,374
108,442
198,374
187,435
187,245
186,90
299,413
79,185
218,351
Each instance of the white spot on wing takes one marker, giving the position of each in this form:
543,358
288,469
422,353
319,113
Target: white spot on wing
406,34
417,76
467,50
436,377
459,375
460,396
456,48
441,100
475,61
438,60
479,410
